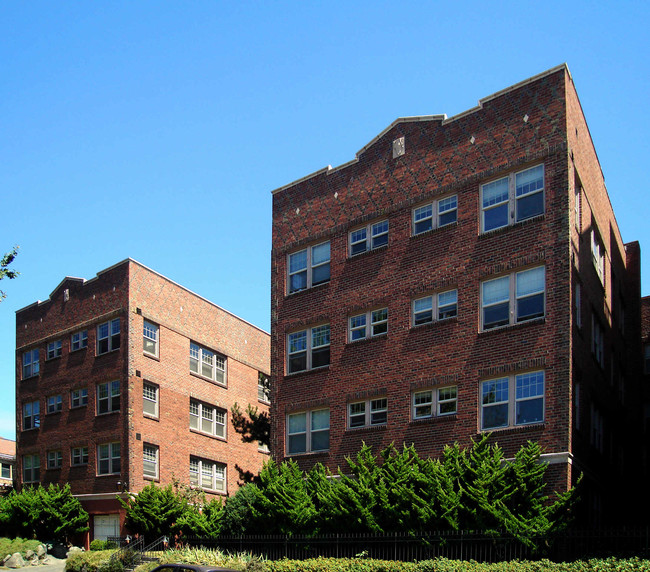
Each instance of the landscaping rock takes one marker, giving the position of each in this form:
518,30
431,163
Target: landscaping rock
41,551
15,561
29,554
74,550
34,561
5,559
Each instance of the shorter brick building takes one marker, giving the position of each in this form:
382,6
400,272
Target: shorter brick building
128,379
7,465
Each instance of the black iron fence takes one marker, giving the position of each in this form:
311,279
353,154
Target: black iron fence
457,545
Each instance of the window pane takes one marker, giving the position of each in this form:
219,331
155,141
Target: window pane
495,290
530,281
297,443
530,180
321,274
298,423
495,192
320,253
495,416
530,307
320,440
320,419
498,315
320,336
495,217
530,206
530,411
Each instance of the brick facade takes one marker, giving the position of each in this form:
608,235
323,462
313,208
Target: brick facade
133,294
535,126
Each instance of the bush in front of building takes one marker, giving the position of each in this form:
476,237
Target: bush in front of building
90,561
48,513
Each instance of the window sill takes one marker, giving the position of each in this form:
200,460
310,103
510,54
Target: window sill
151,479
36,376
434,419
48,360
107,413
369,339
310,454
264,401
75,407
78,466
50,413
435,230
534,321
79,350
307,371
215,437
367,252
107,353
151,417
367,428
107,475
30,429
203,377
435,323
151,356
514,429
298,292
53,468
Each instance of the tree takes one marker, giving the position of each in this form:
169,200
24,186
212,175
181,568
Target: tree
154,512
5,272
253,426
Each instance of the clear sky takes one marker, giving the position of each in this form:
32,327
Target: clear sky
157,130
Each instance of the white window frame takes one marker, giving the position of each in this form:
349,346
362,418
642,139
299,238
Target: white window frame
108,336
372,412
150,335
310,431
54,404
371,324
150,460
78,397
54,459
208,419
54,349
109,393
263,388
434,214
512,298
79,341
78,456
31,468
150,397
202,470
109,454
311,266
298,344
598,255
510,200
369,237
31,363
434,402
509,397
436,306
597,340
31,415
207,363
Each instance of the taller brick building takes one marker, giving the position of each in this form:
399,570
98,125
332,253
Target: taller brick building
128,379
462,276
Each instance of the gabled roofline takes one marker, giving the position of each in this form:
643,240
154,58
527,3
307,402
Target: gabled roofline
84,282
442,118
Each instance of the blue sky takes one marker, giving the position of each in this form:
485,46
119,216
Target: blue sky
157,130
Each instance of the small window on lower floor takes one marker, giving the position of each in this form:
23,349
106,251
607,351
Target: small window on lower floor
308,431
54,459
435,402
367,413
108,459
207,474
79,456
31,468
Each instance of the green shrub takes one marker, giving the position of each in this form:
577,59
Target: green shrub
98,544
10,546
87,561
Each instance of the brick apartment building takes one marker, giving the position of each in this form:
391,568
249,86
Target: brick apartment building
460,276
645,338
128,379
7,465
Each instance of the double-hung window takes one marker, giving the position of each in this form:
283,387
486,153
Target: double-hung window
369,237
263,388
54,349
514,298
308,349
597,340
54,459
435,307
207,363
369,325
31,468
150,399
308,431
435,214
207,419
511,199
5,471
309,267
79,397
207,474
79,456
598,255
513,400
150,338
31,415
150,461
108,459
435,402
108,397
30,364
108,336
79,340
367,413
54,403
